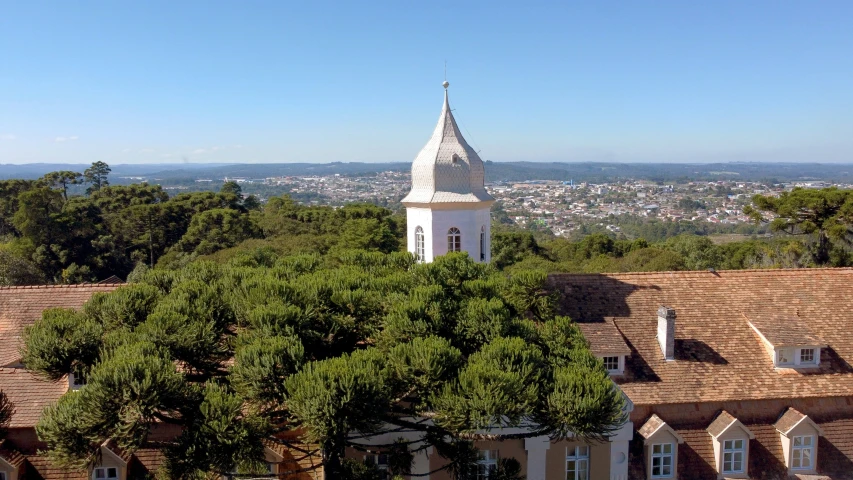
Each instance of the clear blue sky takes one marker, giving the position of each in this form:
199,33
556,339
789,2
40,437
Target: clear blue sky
251,81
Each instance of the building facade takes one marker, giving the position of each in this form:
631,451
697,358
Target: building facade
448,208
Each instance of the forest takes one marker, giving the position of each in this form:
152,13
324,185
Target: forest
49,236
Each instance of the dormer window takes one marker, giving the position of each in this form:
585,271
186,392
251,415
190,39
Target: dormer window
730,439
105,473
799,435
612,364
789,341
791,357
606,343
76,379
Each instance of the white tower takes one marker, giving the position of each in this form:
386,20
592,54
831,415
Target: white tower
448,209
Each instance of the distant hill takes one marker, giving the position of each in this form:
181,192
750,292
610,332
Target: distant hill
594,172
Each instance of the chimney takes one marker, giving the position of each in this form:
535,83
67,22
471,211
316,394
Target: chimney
666,332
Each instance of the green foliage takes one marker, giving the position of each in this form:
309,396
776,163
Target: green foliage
826,215
7,409
62,340
331,345
97,175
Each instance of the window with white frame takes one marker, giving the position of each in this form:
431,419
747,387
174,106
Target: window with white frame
577,463
734,456
794,357
802,453
419,244
611,364
380,461
2,475
105,473
807,356
487,464
662,460
454,240
483,242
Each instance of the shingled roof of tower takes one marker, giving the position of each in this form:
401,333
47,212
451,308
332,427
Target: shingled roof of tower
718,356
447,169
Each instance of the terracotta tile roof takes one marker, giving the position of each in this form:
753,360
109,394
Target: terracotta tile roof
29,394
651,426
10,454
22,306
721,423
766,457
785,330
604,338
718,356
789,420
45,470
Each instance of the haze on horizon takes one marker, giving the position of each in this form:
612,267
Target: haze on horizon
274,82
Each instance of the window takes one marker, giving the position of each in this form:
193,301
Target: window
270,467
611,364
419,244
380,461
734,452
807,355
76,378
577,463
487,464
788,357
662,460
454,240
483,243
784,356
105,473
2,475
802,453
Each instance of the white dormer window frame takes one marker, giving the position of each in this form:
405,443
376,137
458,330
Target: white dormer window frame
608,361
105,473
806,356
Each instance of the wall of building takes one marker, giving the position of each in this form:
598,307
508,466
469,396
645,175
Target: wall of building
469,222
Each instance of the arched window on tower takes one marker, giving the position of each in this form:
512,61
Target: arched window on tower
483,243
419,244
454,240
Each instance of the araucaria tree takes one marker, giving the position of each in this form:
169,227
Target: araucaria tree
826,214
335,348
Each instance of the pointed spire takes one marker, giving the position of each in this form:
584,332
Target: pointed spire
447,170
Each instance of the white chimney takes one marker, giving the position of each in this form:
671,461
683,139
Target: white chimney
666,332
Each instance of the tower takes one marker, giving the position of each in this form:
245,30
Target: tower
448,209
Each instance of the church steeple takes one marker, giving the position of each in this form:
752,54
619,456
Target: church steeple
447,169
448,208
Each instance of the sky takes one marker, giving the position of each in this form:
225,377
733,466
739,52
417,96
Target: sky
280,81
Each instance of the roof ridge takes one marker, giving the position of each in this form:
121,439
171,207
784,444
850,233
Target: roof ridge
696,272
76,285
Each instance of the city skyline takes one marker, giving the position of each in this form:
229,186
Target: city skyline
213,82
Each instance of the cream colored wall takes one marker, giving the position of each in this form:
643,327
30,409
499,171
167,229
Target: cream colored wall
662,436
804,428
109,459
506,449
733,433
599,459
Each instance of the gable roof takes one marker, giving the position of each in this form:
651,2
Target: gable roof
724,422
22,306
784,330
793,417
653,425
718,356
604,339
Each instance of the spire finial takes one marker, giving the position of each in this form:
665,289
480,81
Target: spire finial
445,84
